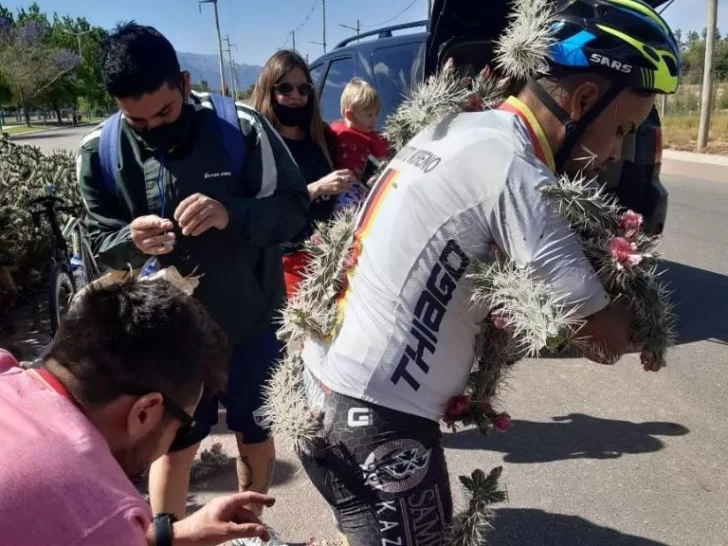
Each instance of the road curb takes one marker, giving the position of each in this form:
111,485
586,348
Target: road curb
712,168
51,130
694,157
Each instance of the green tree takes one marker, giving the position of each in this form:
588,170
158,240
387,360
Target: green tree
203,86
245,95
28,63
80,36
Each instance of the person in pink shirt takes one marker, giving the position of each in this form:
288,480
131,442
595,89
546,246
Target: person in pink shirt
123,376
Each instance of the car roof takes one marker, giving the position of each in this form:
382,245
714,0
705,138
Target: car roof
377,39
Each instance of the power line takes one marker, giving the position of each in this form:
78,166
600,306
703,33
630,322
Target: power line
302,24
405,10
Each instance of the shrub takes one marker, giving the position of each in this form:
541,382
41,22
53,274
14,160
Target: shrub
25,173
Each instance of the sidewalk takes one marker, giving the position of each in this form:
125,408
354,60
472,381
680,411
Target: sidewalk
695,165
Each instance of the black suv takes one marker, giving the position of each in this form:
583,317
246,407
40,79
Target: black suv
393,59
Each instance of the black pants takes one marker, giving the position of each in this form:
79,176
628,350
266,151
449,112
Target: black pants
383,473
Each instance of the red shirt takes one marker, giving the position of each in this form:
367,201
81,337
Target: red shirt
353,147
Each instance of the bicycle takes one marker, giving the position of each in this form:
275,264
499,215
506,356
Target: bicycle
70,268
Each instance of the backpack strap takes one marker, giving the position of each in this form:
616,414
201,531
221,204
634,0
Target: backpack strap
227,115
109,151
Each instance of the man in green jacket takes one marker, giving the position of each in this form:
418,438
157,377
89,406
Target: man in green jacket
175,198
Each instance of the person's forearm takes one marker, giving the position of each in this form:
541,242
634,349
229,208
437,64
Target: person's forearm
314,190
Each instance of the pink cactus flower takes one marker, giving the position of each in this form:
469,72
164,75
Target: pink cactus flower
486,73
624,253
316,239
216,447
456,409
474,103
502,422
631,223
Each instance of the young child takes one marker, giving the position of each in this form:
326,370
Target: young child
356,138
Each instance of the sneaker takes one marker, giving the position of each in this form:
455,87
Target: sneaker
274,540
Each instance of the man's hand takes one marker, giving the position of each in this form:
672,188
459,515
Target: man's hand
606,334
153,235
222,520
199,213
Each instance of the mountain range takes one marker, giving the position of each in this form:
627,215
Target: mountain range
207,67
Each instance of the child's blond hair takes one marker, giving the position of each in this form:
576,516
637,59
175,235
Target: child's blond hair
359,95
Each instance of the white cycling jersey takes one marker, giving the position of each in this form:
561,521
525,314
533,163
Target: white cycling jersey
407,333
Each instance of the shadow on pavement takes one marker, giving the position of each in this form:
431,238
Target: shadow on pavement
516,527
574,436
701,299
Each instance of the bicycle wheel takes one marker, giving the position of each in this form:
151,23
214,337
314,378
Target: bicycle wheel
61,290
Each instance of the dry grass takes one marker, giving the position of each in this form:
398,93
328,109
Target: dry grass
681,133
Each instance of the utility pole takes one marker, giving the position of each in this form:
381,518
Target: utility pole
219,41
324,42
293,35
706,103
323,2
233,79
356,29
78,38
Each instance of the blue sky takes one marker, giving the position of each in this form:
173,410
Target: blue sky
259,27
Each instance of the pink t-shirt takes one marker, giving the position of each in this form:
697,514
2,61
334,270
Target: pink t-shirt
59,483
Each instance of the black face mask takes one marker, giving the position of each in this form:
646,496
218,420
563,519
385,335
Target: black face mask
165,137
294,116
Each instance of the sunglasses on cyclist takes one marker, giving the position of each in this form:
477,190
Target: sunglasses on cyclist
285,88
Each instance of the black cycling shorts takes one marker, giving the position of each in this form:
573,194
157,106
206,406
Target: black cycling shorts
383,473
250,367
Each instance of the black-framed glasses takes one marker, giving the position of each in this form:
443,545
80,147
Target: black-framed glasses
304,89
177,412
170,406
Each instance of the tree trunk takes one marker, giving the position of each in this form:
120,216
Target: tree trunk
26,113
57,110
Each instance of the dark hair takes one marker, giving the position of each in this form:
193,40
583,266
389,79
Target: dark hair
137,337
275,69
136,60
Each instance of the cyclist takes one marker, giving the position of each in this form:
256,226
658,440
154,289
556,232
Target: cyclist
406,338
176,195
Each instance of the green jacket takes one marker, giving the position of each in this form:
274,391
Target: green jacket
242,278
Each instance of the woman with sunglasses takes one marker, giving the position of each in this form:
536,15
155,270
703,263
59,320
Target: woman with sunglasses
285,96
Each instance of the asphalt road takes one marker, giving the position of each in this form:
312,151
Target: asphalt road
597,456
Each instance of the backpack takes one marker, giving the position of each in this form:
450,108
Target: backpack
227,116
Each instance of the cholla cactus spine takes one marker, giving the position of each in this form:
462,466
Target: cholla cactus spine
523,49
530,308
470,528
429,103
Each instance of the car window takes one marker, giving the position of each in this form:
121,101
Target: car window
340,72
396,70
316,73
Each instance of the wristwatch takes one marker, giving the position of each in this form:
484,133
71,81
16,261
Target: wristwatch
163,533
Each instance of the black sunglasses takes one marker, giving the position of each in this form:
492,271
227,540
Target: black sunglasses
170,406
285,88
